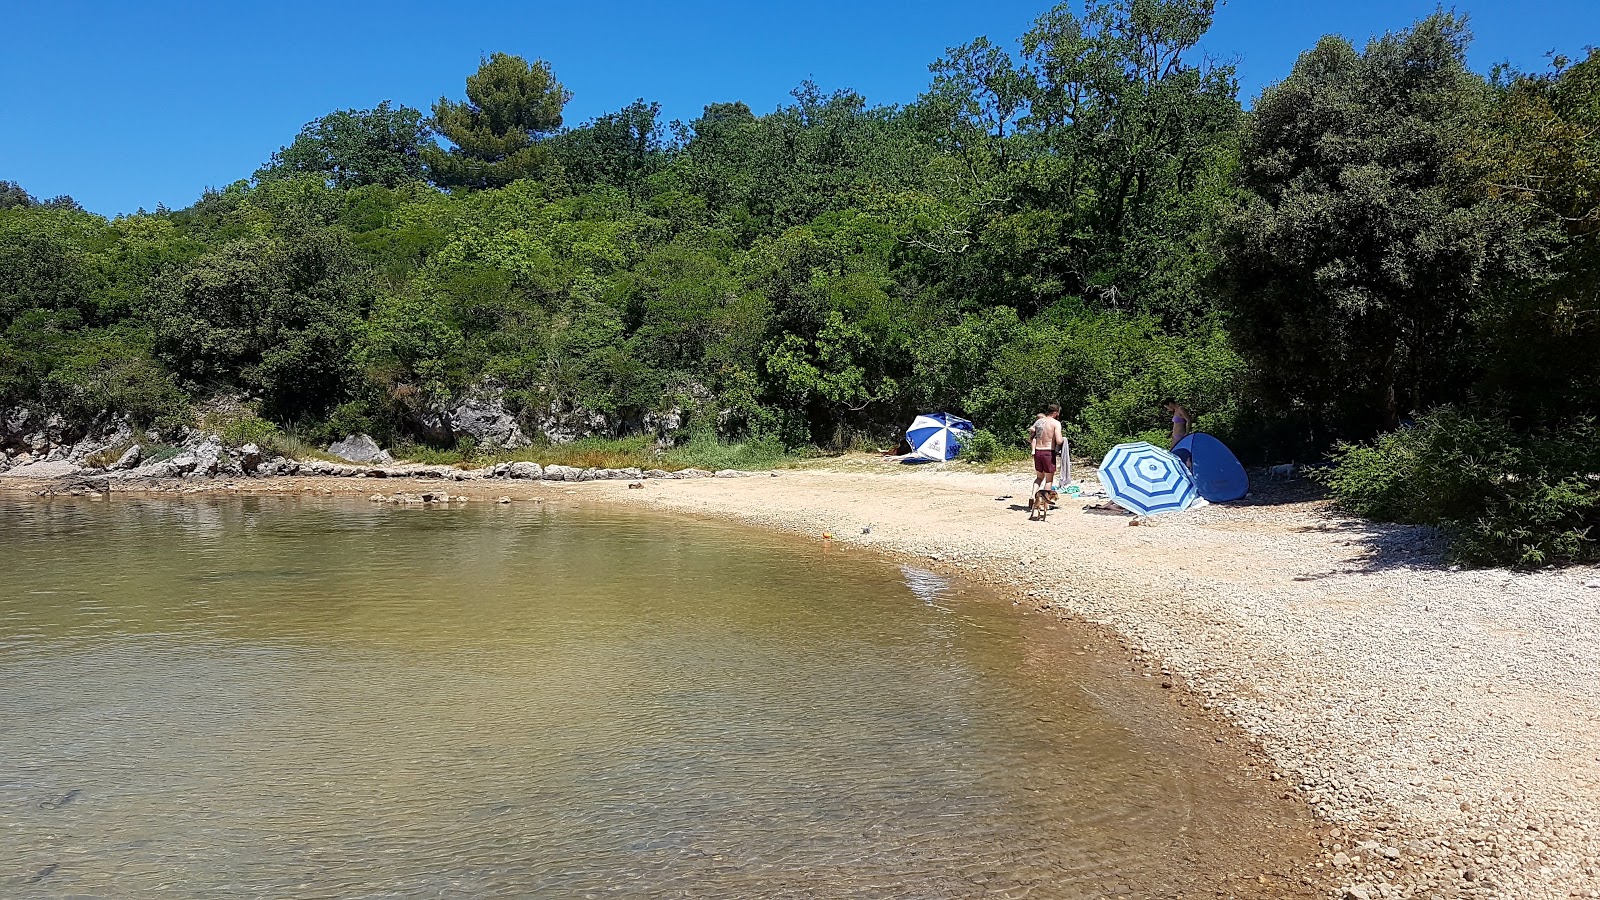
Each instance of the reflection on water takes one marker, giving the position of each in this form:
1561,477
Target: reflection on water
316,699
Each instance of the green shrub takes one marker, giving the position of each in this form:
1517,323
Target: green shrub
981,447
704,451
249,429
1504,497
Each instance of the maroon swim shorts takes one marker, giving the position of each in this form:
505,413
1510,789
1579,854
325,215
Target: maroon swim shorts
1044,462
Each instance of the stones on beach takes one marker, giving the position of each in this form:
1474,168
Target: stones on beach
530,470
562,473
361,448
249,458
406,498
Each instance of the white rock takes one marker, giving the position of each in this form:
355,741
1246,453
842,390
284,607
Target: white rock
362,449
525,470
129,458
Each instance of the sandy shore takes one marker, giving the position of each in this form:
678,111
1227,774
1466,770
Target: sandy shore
1448,721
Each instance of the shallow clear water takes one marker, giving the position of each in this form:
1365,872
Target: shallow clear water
307,698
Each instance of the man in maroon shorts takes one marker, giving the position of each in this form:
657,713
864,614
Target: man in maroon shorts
1047,441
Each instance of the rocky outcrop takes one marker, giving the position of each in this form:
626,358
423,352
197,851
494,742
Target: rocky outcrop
361,448
559,425
250,459
483,417
128,460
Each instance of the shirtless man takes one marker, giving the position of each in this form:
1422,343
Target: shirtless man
1047,441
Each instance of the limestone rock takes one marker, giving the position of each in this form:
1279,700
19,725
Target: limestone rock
129,458
483,417
250,459
361,448
657,473
561,473
525,470
42,469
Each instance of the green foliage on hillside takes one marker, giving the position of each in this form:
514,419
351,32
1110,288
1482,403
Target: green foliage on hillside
1086,216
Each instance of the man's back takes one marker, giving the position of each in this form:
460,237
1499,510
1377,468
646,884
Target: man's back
1046,433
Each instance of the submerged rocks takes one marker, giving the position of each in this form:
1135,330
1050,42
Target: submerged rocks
77,486
361,448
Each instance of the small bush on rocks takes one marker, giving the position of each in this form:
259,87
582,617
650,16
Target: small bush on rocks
1505,497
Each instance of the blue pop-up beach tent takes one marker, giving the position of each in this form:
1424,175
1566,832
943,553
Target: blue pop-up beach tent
937,436
1216,471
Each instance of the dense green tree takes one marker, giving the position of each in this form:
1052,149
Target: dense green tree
275,316
354,147
1082,163
1354,267
12,196
496,133
46,263
1542,153
619,149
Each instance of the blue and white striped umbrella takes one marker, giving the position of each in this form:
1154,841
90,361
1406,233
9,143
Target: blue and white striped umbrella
937,436
1146,479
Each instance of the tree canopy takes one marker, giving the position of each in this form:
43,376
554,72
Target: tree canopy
1086,215
495,133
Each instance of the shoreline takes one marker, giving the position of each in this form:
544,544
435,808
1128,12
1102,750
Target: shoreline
1441,720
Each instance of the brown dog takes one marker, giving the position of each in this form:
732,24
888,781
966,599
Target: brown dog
1039,506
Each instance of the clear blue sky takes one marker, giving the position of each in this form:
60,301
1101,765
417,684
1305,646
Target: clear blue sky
125,105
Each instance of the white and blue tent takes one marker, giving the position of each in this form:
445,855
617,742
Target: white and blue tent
936,436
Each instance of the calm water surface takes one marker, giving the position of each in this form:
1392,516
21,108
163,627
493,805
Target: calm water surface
305,698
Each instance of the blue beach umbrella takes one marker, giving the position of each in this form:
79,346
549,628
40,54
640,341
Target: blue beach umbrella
937,436
1146,479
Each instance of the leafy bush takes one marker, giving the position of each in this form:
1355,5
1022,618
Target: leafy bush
1504,497
706,452
249,429
981,447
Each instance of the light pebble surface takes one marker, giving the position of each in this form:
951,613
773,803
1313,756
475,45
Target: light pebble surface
1447,722
1448,719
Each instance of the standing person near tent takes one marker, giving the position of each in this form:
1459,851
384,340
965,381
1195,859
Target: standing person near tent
1180,420
1047,444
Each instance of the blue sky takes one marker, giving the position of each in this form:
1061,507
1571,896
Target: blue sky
124,105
